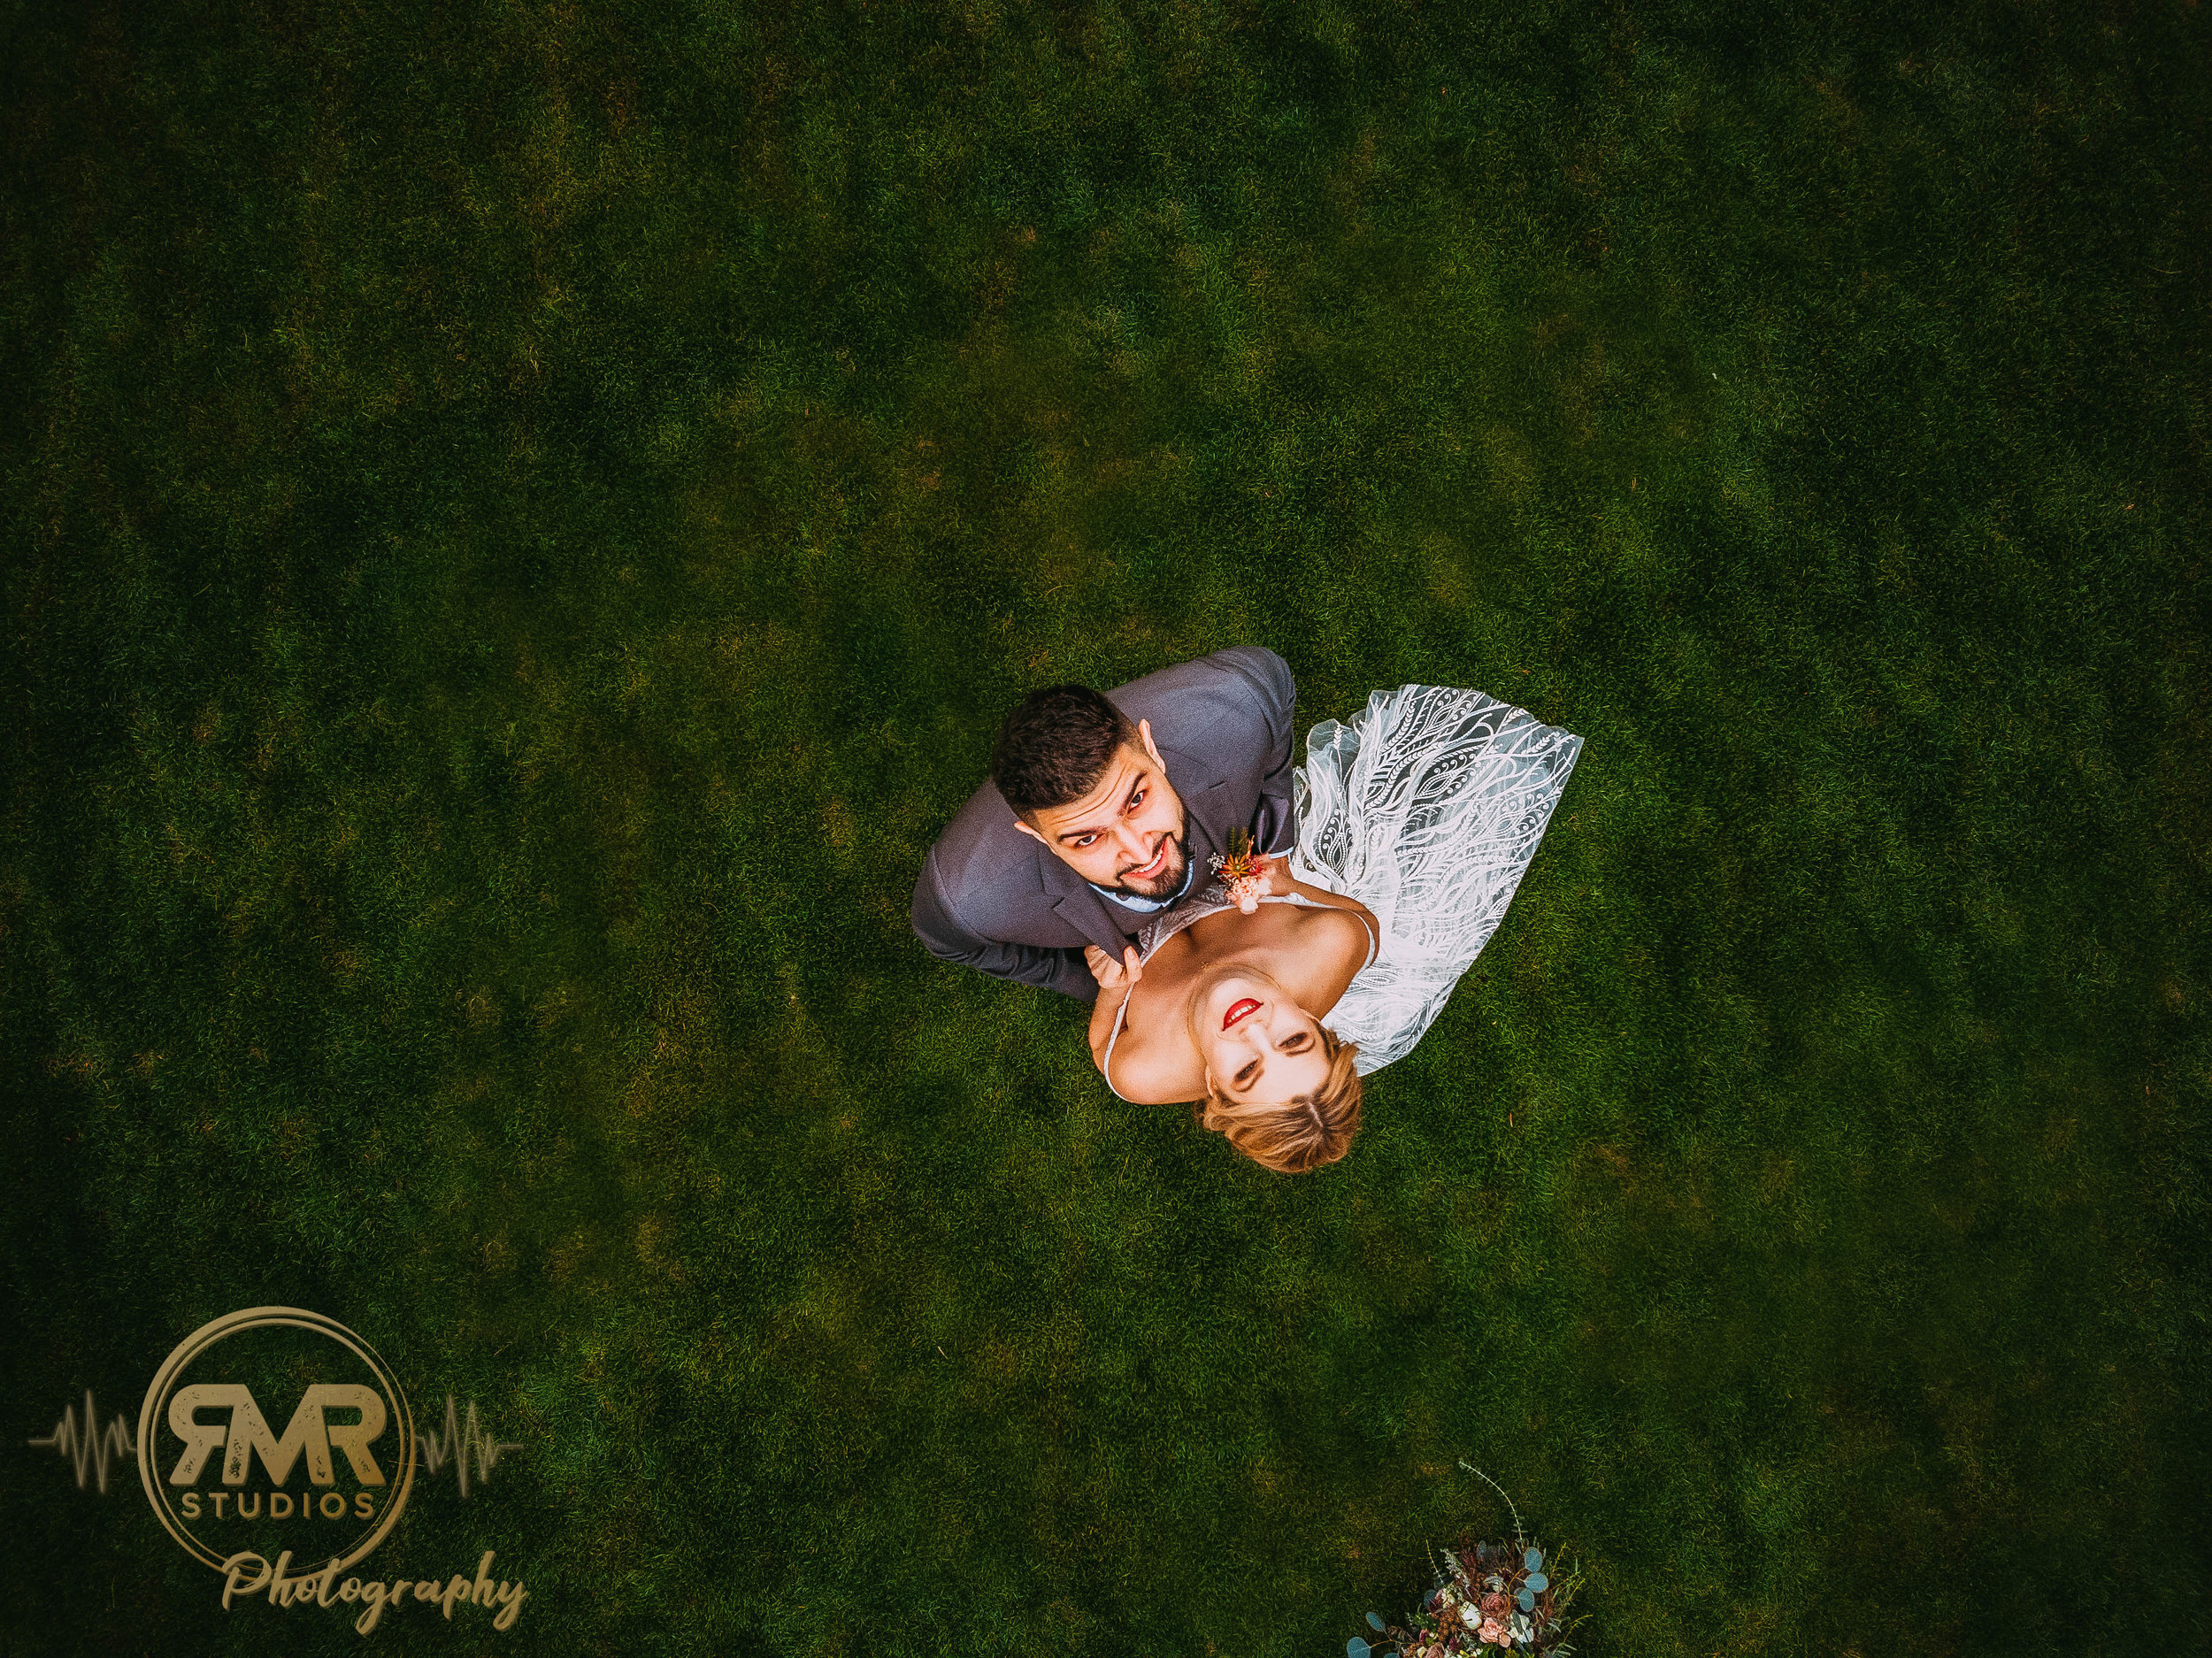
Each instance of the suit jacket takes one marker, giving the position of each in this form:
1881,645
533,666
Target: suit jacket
993,898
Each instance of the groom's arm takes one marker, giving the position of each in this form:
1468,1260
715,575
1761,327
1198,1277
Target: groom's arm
943,937
1275,694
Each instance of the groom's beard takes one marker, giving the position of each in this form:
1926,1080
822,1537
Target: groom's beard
1169,881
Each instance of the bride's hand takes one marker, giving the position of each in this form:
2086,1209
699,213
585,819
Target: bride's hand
1278,881
1111,974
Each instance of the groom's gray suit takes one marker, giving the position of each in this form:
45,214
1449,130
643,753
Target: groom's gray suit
993,898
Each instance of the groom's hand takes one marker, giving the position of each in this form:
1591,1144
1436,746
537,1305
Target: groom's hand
1111,974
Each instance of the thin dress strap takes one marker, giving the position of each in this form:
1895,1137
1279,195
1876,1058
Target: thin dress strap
1106,1069
1106,1066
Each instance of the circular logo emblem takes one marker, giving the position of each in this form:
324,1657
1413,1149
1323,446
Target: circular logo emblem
273,1430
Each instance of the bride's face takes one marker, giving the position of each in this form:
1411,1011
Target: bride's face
1257,1043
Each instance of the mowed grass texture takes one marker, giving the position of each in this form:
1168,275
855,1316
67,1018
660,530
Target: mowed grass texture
521,521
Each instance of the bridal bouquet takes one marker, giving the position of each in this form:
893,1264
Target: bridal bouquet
1490,1598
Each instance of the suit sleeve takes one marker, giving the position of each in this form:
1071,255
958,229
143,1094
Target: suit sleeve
1277,693
943,937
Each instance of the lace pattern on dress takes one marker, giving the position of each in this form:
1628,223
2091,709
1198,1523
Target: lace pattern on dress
1427,807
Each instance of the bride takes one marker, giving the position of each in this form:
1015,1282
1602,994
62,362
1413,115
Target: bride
1416,823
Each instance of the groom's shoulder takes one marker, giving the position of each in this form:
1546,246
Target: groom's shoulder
979,850
1235,684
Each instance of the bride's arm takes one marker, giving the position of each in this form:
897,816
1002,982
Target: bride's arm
1115,980
1104,1012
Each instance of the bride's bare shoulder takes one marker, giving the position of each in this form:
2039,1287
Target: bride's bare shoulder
1345,929
1151,1073
1331,948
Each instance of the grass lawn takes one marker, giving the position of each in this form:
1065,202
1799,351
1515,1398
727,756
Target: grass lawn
520,522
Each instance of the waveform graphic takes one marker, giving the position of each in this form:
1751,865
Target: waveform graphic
91,1447
463,1438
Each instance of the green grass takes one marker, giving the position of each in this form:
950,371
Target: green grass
521,521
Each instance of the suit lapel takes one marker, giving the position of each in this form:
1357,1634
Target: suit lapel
1201,813
1085,910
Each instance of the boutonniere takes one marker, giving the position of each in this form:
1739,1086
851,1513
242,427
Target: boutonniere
1244,872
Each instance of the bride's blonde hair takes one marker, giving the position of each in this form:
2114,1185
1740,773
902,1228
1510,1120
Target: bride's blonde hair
1297,1134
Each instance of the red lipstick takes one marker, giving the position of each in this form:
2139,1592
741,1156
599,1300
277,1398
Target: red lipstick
1237,1011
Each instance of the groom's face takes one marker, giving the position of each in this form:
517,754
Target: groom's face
1127,832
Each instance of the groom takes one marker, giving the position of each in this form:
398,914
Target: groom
1102,811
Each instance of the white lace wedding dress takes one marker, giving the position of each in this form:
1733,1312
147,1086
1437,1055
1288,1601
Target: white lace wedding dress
1427,807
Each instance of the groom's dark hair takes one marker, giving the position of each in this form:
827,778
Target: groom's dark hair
1054,747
